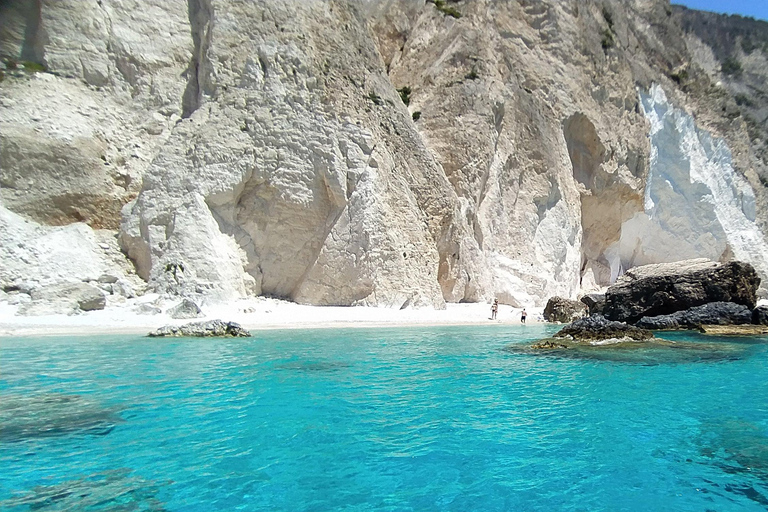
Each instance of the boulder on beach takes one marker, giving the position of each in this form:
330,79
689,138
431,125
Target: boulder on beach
209,329
63,298
185,309
714,313
563,310
666,288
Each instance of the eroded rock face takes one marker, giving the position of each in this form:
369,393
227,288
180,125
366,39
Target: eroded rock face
664,289
714,313
264,148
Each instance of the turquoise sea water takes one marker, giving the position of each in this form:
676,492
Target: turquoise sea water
389,419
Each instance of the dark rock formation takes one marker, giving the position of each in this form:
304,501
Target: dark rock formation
185,309
664,289
597,327
209,329
760,315
714,313
563,310
595,302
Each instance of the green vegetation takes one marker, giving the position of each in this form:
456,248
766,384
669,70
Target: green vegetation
608,40
33,67
680,77
375,98
445,9
731,67
416,115
608,17
472,75
748,45
405,95
27,65
743,100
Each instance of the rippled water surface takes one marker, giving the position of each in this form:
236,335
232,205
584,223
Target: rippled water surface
388,419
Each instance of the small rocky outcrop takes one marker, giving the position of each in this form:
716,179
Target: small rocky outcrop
185,309
595,303
760,315
209,329
597,328
714,313
663,289
563,310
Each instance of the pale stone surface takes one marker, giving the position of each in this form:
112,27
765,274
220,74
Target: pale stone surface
262,148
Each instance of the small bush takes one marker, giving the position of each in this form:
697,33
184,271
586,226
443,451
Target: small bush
731,67
472,75
743,100
416,115
445,9
608,40
375,98
748,45
608,17
405,95
680,77
33,67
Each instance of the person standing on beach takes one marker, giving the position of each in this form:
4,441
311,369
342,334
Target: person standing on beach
494,309
523,315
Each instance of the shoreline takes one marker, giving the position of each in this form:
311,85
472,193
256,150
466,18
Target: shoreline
256,314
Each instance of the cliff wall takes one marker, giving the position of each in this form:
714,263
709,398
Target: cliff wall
386,152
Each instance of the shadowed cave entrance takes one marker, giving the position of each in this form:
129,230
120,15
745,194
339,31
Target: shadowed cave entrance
606,203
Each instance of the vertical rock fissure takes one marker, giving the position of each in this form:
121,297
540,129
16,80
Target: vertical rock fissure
201,21
33,48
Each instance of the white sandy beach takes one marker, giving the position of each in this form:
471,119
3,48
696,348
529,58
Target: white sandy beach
253,314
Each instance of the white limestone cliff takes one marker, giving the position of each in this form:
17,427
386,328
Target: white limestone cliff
263,148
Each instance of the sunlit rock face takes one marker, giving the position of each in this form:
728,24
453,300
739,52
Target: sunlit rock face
246,148
695,205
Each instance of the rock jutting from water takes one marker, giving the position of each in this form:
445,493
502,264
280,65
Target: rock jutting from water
209,329
598,328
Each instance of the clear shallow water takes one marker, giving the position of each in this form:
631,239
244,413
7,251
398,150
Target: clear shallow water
390,419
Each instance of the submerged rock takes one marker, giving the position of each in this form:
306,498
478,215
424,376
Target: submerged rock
563,310
209,329
663,289
597,328
734,330
714,313
53,414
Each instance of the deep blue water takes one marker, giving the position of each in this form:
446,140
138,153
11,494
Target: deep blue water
388,419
